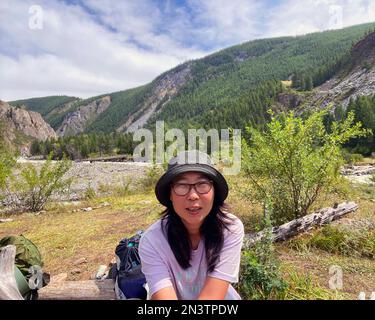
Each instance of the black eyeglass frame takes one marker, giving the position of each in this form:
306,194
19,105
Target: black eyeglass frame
192,185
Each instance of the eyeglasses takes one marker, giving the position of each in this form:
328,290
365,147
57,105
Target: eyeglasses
182,189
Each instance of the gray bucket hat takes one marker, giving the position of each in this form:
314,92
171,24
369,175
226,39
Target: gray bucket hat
187,161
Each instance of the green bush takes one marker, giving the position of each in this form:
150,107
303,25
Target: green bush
357,243
30,189
7,163
151,177
351,158
295,161
260,276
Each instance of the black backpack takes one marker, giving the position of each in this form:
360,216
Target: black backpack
130,282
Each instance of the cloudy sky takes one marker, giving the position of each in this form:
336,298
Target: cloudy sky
89,47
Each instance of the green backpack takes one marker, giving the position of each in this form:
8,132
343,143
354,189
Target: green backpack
27,256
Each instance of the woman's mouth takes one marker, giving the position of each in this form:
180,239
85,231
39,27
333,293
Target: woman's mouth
194,210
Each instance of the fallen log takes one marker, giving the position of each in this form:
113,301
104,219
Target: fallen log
303,224
8,285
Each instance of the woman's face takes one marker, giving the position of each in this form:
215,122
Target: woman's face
193,207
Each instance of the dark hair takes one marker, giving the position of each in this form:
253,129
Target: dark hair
212,229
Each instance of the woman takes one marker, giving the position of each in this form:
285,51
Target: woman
194,250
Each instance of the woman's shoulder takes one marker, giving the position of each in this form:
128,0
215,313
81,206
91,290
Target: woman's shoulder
154,231
235,224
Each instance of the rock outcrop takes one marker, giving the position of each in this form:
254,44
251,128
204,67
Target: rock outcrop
19,127
166,87
77,121
29,123
356,79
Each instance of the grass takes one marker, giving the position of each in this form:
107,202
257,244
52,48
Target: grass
65,234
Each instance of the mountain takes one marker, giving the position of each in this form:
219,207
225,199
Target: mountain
18,127
231,87
355,78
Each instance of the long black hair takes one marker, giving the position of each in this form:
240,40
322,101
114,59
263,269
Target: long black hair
212,230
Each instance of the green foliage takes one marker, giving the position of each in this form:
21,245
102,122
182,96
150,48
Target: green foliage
152,175
294,161
351,158
7,163
302,287
260,276
84,145
355,243
225,87
364,109
43,105
123,104
30,189
366,65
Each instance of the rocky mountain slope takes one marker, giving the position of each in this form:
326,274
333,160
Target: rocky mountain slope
76,122
19,127
355,78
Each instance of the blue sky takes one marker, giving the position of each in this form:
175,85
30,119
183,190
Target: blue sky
89,47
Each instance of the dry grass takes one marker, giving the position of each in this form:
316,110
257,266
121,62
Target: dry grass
64,236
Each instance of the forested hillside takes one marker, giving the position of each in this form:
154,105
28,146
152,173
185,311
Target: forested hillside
229,88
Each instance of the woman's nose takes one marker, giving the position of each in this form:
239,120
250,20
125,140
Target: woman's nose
193,195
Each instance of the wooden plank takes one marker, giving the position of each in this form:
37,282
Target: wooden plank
78,290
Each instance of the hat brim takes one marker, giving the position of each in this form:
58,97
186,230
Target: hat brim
162,188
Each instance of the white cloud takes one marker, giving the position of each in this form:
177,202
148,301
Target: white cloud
74,55
227,22
105,45
293,17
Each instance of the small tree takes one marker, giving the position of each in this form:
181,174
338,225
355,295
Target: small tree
294,161
31,188
7,163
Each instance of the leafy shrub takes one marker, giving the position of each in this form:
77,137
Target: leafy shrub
358,243
351,158
294,161
260,276
31,189
151,177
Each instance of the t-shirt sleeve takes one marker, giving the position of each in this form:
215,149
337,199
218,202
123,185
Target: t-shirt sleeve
228,265
153,266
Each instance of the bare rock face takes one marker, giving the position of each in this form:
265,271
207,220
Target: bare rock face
30,123
357,80
167,86
77,121
289,100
